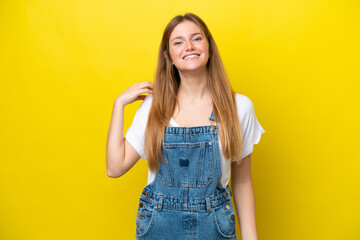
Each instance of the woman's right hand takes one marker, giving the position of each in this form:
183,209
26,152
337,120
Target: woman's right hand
134,93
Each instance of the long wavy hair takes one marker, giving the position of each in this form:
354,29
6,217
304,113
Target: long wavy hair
165,88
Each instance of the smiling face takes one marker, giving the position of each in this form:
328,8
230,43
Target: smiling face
188,47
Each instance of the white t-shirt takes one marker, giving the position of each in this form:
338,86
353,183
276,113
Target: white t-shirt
250,128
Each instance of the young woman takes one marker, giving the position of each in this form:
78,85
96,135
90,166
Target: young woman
194,131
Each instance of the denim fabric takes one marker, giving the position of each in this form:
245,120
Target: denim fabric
187,200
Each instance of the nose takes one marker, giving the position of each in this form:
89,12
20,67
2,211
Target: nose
189,46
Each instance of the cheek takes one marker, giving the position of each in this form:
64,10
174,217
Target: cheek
175,53
204,48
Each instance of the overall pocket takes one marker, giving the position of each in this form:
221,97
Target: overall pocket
187,164
144,219
224,220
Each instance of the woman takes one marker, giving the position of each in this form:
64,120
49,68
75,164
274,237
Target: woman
194,130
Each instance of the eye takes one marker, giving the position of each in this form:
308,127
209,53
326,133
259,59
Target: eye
197,39
176,43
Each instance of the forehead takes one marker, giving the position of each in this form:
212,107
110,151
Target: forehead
185,29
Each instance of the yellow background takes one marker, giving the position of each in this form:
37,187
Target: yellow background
63,63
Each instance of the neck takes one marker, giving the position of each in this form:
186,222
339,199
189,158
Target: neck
193,85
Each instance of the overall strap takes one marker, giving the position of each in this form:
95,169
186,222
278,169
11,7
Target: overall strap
212,118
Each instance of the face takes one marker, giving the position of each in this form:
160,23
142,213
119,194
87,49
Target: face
188,47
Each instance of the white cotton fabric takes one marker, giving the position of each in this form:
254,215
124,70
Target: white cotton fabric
250,128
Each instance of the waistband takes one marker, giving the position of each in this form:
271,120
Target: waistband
186,204
191,130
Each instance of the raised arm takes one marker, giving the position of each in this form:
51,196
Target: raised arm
120,155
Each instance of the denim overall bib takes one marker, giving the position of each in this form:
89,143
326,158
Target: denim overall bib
186,200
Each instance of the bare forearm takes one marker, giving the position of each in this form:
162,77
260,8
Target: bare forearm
245,208
119,156
115,140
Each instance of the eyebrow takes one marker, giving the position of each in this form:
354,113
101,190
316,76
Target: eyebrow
183,37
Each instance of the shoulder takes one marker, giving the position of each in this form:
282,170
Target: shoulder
243,101
148,99
145,106
244,106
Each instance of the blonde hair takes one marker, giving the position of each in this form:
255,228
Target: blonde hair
166,85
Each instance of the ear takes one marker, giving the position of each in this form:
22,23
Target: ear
170,58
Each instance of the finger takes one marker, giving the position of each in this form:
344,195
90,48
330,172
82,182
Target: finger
147,84
140,97
146,90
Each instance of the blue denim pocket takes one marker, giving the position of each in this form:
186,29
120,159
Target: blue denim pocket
144,219
187,164
224,220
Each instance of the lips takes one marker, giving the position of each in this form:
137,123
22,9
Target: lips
197,54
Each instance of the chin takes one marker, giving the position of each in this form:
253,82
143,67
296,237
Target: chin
192,68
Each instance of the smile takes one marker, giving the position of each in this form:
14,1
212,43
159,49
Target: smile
191,56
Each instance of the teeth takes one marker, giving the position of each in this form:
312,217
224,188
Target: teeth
191,56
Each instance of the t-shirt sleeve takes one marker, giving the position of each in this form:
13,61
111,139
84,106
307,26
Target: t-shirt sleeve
136,132
250,126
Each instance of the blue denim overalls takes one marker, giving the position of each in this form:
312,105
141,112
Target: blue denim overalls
186,200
